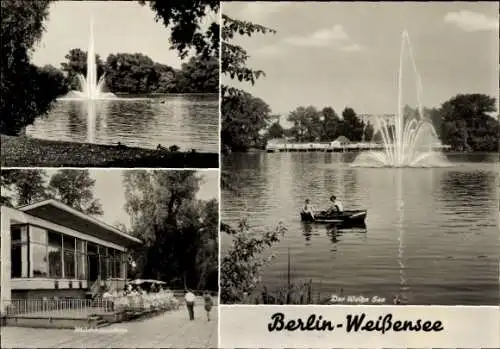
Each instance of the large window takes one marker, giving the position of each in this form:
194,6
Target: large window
37,252
38,246
19,251
69,257
117,262
39,263
55,254
38,235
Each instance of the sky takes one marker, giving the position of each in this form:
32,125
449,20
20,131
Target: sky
110,192
119,26
347,54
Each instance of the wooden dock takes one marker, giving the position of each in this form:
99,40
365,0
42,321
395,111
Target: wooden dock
333,148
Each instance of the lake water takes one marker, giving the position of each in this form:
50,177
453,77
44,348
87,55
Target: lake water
432,234
188,121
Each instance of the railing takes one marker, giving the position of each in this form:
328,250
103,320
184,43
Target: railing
336,146
84,307
55,307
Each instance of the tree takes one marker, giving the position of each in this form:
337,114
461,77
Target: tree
307,124
200,75
74,188
131,73
53,79
243,117
166,78
234,57
207,254
466,122
179,232
331,124
185,18
275,131
26,186
352,126
233,65
75,64
23,97
6,180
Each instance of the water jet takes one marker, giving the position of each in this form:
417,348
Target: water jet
408,142
90,87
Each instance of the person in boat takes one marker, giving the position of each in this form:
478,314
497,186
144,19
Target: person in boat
308,209
336,205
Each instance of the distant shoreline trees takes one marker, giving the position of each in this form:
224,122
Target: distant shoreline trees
466,122
136,73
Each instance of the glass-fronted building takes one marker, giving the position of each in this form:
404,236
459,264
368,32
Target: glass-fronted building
49,249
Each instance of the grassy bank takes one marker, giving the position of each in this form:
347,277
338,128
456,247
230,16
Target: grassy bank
30,152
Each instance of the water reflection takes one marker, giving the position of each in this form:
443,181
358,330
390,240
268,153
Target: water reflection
400,227
460,186
190,122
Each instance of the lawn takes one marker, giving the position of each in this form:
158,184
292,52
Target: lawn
31,152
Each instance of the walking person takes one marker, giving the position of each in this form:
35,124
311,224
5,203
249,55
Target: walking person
190,299
208,304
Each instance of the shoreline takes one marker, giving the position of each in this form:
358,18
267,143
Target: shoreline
33,152
446,152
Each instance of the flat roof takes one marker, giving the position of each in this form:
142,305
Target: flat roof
59,213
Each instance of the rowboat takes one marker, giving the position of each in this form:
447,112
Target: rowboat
353,218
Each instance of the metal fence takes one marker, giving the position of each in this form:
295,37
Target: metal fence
80,306
55,307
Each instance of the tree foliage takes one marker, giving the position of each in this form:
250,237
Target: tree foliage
243,117
198,75
234,57
185,19
136,73
331,124
275,131
307,124
241,265
179,231
352,126
23,187
467,122
310,125
53,79
75,189
72,187
76,63
24,94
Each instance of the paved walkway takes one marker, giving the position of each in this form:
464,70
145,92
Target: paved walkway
169,330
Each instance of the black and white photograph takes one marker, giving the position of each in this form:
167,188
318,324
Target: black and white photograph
110,84
109,258
360,153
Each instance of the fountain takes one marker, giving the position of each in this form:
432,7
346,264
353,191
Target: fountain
408,143
91,88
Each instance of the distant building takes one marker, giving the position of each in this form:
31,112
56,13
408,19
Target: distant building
340,141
